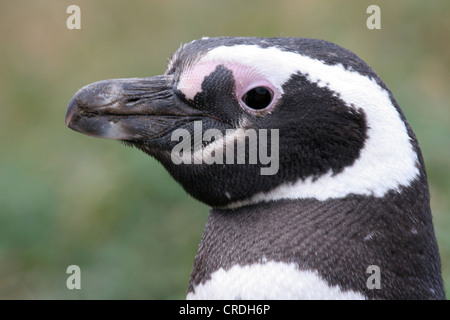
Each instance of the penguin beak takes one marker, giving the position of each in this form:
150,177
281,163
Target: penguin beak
129,109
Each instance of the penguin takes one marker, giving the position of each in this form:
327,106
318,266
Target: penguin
328,196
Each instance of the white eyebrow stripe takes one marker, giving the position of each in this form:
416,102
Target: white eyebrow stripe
387,161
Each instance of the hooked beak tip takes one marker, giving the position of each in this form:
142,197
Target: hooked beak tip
71,110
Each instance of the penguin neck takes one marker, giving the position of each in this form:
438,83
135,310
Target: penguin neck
339,239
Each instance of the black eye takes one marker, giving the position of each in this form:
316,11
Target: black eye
258,98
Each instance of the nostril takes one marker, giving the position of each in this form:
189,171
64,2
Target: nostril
133,100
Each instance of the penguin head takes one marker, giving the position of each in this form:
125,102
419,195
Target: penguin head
237,121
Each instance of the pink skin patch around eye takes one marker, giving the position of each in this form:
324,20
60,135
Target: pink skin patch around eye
245,77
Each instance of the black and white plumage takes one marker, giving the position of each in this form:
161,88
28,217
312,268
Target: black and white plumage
350,190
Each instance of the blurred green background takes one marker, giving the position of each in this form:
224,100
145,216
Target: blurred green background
68,199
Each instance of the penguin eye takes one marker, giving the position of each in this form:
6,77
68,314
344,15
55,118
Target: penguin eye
258,98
